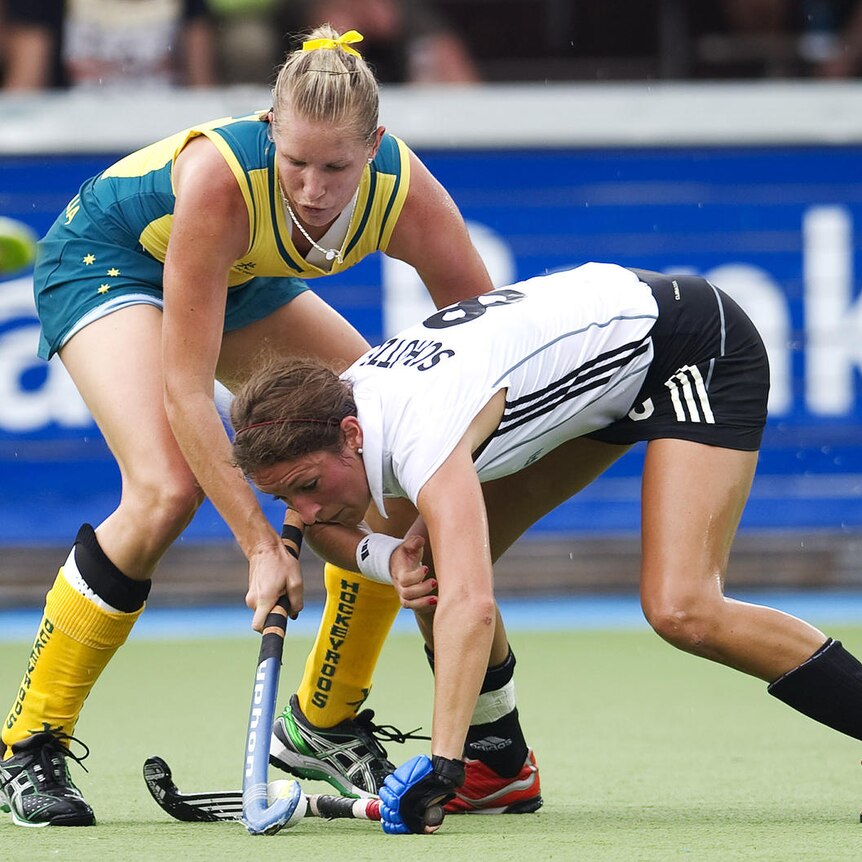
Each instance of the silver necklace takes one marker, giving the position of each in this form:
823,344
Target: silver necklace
336,254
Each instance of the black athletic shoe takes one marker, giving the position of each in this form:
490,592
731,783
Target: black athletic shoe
35,782
349,755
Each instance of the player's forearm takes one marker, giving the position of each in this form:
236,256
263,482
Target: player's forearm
463,632
452,508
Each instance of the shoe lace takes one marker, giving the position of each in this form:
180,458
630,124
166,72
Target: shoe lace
58,743
386,732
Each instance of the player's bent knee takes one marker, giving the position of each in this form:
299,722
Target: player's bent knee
689,626
165,506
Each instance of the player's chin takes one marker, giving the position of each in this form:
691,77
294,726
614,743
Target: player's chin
351,518
317,216
345,518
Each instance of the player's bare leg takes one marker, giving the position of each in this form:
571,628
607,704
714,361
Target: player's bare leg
101,588
693,497
116,365
306,326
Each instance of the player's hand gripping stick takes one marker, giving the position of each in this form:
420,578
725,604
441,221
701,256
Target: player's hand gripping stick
412,797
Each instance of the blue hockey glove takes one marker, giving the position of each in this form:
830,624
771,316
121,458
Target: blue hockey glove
413,796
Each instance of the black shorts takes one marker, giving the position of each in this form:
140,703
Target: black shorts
709,378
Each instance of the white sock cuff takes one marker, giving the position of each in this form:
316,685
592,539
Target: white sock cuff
76,581
493,705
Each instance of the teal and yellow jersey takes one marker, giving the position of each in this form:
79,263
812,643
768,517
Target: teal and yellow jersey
111,240
137,193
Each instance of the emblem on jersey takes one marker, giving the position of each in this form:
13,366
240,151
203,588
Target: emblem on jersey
246,266
72,208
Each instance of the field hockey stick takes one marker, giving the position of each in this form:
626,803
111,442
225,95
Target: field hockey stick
259,817
226,805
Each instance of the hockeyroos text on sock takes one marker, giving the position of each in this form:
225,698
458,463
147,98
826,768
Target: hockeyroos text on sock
42,638
337,635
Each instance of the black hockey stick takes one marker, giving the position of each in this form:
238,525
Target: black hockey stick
226,805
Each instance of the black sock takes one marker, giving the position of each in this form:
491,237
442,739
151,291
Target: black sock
500,743
827,687
104,578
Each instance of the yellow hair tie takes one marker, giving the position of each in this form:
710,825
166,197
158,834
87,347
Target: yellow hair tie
344,42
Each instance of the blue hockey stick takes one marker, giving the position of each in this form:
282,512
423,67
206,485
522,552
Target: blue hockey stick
258,816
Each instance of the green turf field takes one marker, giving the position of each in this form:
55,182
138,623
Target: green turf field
645,754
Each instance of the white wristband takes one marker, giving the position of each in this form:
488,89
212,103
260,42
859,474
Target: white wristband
372,556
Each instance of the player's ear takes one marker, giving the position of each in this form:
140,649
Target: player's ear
352,431
375,142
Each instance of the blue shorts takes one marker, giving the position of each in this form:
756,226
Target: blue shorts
78,279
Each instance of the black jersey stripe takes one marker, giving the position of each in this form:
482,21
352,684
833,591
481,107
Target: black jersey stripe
504,454
550,397
634,347
551,404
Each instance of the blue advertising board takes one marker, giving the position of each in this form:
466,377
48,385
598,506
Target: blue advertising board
776,227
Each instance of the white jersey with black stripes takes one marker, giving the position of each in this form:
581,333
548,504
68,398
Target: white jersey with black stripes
570,349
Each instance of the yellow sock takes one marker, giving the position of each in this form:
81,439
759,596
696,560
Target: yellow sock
357,617
75,642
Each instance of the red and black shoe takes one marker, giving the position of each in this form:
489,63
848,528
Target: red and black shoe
485,792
